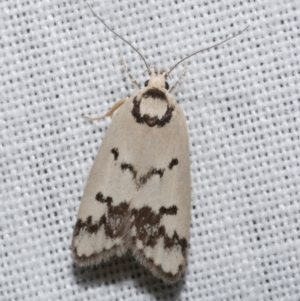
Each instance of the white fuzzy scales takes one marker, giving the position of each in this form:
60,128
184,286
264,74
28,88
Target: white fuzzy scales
138,193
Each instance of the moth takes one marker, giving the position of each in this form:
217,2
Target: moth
138,193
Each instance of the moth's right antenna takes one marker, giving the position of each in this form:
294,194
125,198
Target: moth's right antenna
148,69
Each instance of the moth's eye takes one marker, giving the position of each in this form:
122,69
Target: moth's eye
167,85
146,83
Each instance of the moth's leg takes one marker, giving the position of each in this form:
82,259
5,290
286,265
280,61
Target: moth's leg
109,113
134,82
180,78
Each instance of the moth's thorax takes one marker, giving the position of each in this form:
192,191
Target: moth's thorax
153,105
157,81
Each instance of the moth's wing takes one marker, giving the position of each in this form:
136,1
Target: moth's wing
138,193
160,210
105,202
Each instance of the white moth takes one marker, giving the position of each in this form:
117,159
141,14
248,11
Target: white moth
138,194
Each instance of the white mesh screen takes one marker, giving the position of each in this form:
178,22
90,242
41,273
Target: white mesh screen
242,105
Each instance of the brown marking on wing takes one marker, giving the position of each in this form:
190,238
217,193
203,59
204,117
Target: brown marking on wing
149,230
152,171
115,152
142,180
111,220
127,166
173,163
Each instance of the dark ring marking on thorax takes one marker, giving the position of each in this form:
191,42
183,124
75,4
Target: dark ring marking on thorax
155,93
151,121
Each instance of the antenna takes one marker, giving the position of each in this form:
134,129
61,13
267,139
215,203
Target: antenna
102,21
213,46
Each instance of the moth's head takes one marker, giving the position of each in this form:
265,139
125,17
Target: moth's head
157,79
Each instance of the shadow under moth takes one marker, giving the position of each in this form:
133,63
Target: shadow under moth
138,194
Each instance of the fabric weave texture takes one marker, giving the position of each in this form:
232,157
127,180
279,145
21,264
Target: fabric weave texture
242,105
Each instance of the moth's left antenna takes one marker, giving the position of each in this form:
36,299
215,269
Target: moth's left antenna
102,21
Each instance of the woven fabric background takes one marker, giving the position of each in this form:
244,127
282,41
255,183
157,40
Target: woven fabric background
242,105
